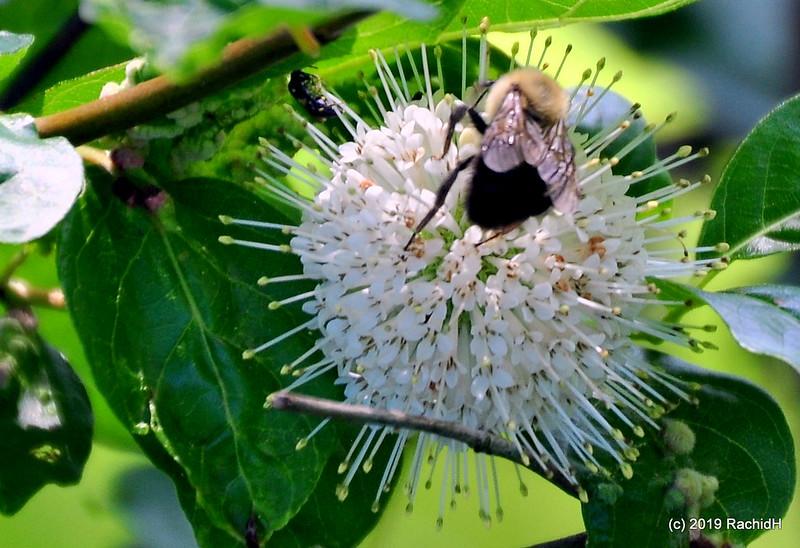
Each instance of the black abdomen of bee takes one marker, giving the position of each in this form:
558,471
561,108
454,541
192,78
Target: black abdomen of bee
498,200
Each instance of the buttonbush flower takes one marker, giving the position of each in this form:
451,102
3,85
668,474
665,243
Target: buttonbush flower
527,336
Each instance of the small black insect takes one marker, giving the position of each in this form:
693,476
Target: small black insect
307,89
526,163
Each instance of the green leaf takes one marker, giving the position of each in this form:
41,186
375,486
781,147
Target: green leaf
237,156
190,34
215,24
205,532
45,417
742,440
44,19
327,521
384,31
224,141
39,180
39,270
763,319
72,93
348,84
509,15
40,18
758,198
12,49
89,50
164,312
609,111
387,31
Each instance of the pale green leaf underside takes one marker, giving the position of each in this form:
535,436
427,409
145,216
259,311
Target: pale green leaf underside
39,180
12,49
763,319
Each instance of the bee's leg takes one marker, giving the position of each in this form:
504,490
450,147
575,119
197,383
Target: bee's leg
441,194
458,114
455,117
477,120
501,232
484,87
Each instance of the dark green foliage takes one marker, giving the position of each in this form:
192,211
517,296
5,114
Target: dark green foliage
742,440
45,418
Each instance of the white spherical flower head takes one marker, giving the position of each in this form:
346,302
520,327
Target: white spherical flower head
526,335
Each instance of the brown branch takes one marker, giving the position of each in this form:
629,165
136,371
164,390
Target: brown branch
17,293
480,442
19,297
161,95
96,157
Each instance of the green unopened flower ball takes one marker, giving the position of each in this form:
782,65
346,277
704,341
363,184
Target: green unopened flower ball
678,437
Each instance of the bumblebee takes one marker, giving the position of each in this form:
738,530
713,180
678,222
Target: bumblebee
526,163
308,91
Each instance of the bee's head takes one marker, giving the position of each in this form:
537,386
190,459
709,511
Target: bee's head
539,93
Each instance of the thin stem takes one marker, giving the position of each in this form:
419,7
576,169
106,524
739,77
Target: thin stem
707,278
160,95
480,442
16,261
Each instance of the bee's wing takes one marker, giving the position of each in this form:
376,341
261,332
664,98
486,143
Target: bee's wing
557,168
533,142
510,140
515,137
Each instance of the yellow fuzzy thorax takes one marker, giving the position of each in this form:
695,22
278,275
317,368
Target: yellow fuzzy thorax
540,94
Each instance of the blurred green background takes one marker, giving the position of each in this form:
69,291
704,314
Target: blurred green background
722,64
